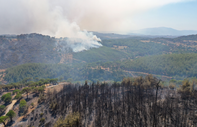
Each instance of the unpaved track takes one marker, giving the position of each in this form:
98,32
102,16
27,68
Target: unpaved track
10,106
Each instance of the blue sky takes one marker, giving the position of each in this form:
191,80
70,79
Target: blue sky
181,16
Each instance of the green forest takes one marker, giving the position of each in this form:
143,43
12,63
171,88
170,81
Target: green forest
178,66
171,64
63,71
116,59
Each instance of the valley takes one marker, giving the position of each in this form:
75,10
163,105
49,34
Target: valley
40,73
124,57
98,63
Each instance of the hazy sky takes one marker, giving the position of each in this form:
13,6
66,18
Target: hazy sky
68,18
181,16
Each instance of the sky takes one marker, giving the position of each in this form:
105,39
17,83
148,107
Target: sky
180,16
73,18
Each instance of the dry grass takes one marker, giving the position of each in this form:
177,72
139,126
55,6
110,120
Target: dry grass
56,87
30,109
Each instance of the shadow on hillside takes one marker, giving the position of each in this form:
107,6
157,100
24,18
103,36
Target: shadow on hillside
10,123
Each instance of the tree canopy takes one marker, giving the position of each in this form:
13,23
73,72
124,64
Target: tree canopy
7,98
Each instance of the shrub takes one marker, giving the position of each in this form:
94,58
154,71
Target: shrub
41,114
18,96
32,104
2,107
42,121
22,105
72,119
3,119
11,114
7,98
172,86
16,91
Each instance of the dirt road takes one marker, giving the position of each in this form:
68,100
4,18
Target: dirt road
10,107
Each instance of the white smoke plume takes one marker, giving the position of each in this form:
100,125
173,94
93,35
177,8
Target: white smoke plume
27,16
68,18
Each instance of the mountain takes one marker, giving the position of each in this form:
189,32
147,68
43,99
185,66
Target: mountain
27,48
163,31
106,36
37,48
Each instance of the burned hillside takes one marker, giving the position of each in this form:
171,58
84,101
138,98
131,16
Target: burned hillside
135,102
27,48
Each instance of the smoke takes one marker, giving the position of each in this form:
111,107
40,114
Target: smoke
69,18
27,16
78,44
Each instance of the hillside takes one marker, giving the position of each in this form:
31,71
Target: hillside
134,101
178,66
29,48
105,36
117,58
189,41
37,48
171,65
101,54
63,71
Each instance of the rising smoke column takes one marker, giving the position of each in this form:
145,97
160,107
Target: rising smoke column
68,18
43,17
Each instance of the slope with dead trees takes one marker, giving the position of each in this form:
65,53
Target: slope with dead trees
135,102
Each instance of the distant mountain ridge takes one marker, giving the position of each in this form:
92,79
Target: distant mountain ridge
163,31
105,36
